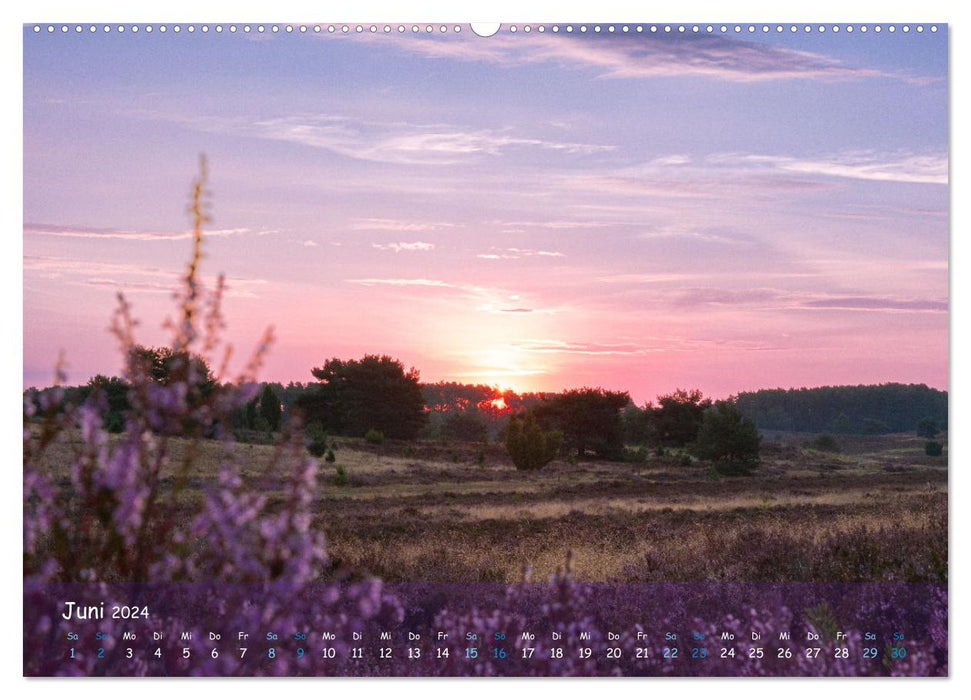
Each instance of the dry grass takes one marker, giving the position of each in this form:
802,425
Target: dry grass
424,517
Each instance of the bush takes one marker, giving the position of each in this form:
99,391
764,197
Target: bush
824,443
932,448
114,518
330,456
529,447
270,409
374,437
316,439
340,476
728,439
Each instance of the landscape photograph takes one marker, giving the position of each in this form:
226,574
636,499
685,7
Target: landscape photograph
379,305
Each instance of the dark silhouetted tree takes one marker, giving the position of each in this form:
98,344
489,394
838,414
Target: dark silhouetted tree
529,446
678,416
639,425
373,393
165,366
588,418
112,394
729,439
927,428
270,408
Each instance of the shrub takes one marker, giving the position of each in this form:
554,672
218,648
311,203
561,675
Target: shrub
932,448
529,447
728,439
825,443
99,510
316,439
116,517
270,409
374,437
340,476
330,456
316,447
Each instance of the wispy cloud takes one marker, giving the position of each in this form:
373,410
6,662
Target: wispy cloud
754,177
863,212
401,282
768,298
877,304
482,299
547,346
635,55
706,234
859,165
517,253
127,277
403,245
402,143
692,184
373,224
68,231
557,224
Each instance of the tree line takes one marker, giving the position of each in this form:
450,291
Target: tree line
377,397
856,410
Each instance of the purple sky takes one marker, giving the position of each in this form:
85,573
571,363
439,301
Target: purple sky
541,211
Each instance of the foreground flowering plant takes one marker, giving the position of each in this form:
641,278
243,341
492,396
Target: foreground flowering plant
113,530
115,519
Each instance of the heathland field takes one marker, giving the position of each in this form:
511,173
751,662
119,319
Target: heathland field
431,511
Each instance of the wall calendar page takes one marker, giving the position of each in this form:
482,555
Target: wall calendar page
447,349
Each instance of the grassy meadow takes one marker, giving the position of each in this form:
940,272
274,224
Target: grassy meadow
460,512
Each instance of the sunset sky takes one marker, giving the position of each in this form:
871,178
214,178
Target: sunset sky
639,211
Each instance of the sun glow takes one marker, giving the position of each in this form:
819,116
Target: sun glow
499,404
507,368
